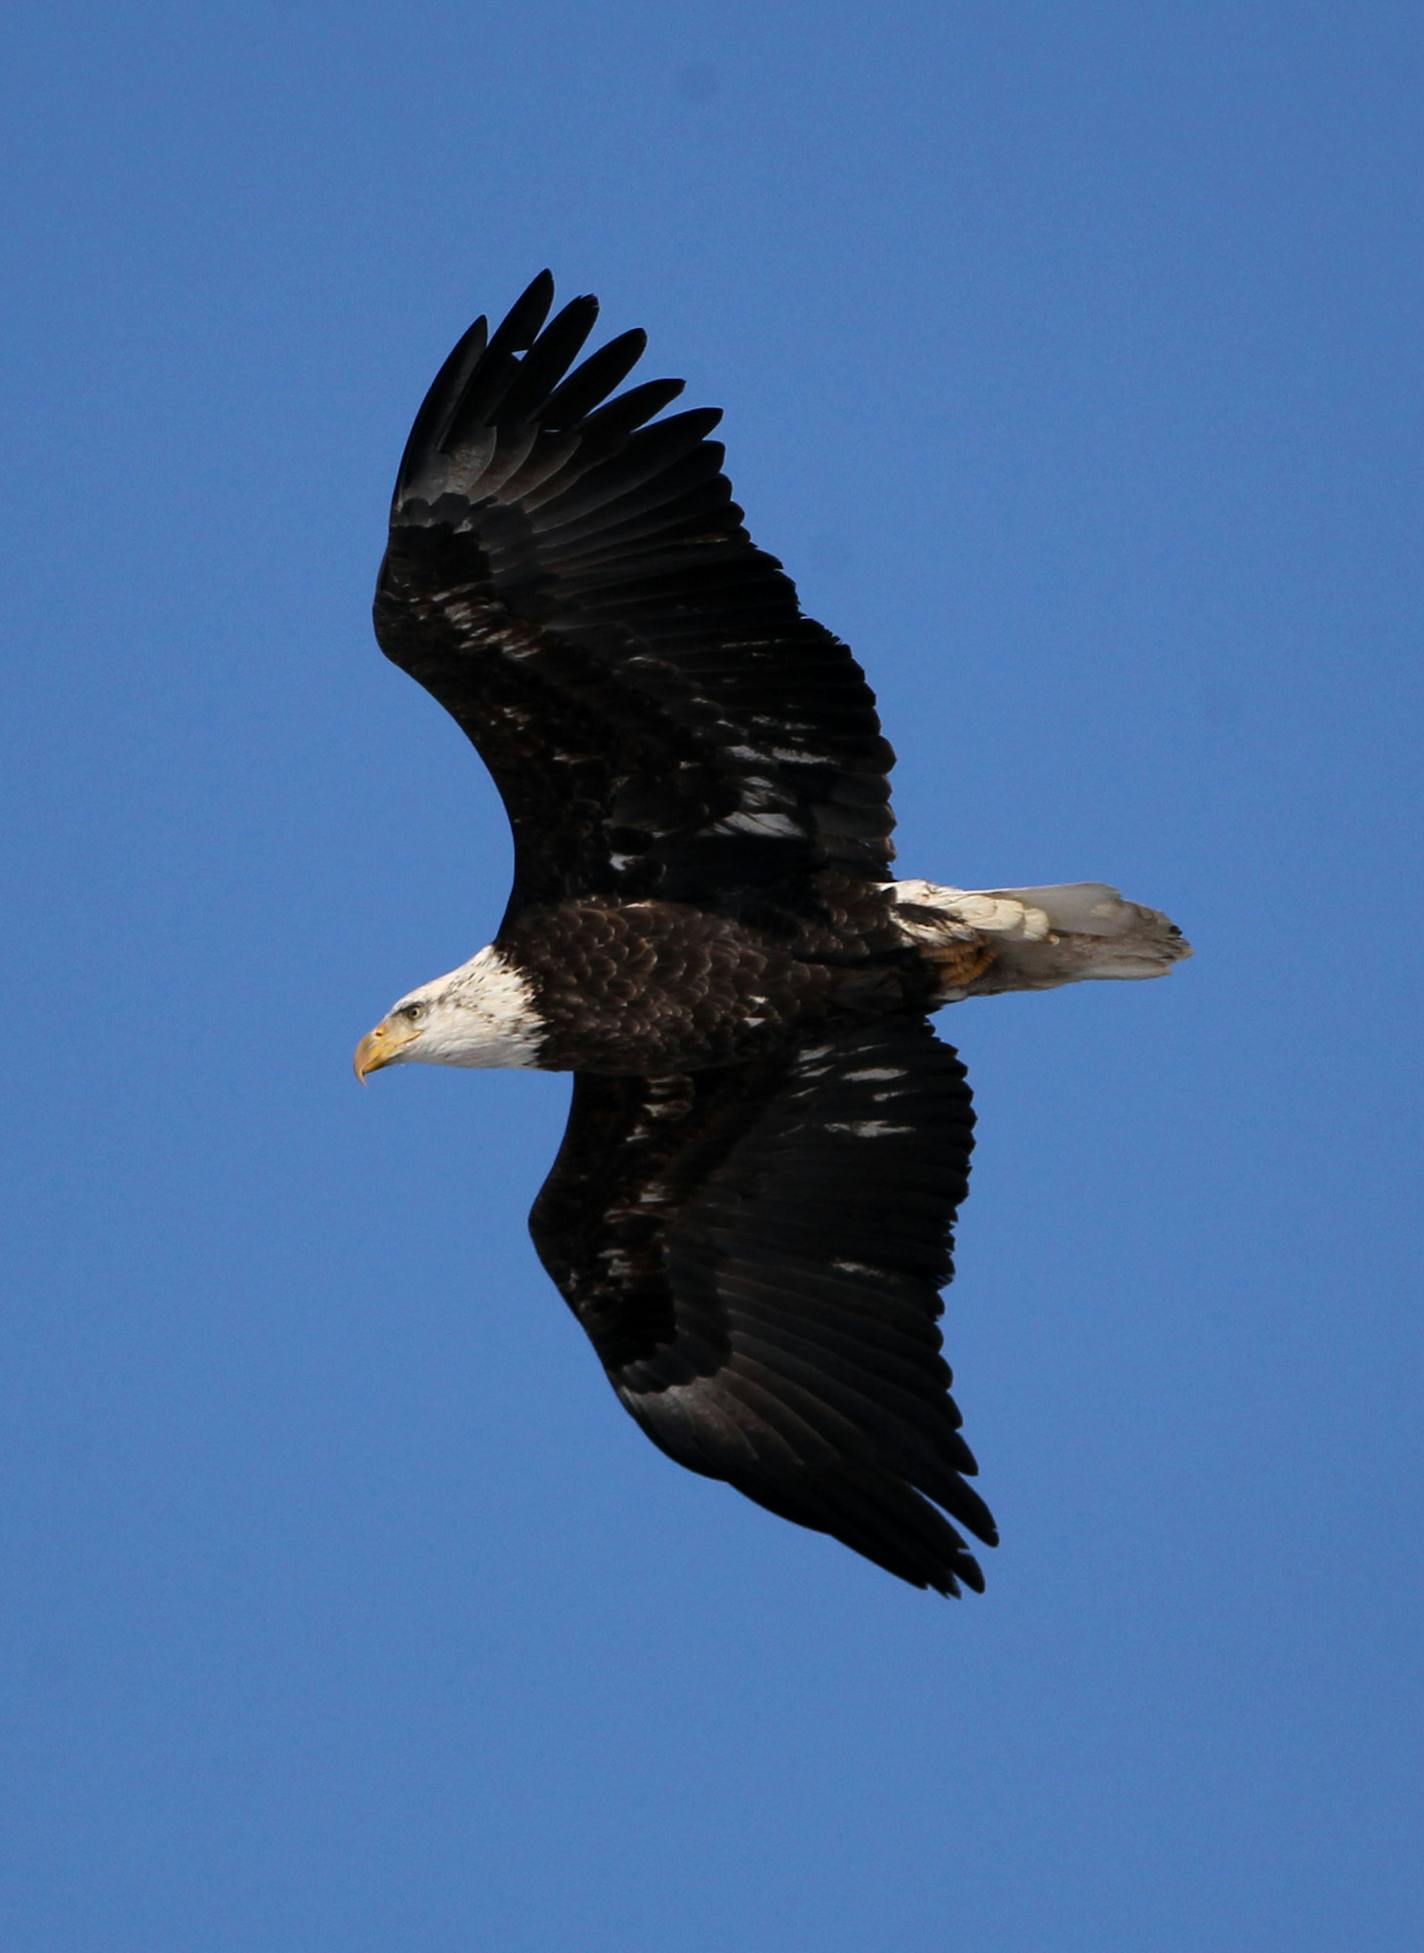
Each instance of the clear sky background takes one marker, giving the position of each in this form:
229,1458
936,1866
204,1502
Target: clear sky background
1071,362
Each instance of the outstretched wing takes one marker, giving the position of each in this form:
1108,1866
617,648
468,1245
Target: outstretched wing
576,587
756,1254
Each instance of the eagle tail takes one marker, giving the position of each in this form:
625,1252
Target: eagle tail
1037,938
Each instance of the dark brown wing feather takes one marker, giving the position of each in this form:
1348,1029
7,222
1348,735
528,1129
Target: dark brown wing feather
756,1254
576,587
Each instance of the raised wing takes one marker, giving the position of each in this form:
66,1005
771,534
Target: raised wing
756,1254
576,587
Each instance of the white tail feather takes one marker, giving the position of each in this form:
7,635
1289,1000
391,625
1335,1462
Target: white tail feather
1068,933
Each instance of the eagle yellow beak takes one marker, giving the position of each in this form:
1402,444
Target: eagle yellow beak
380,1046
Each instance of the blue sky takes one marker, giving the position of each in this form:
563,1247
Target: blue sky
1070,359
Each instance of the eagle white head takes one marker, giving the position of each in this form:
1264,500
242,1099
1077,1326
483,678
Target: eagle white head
481,1014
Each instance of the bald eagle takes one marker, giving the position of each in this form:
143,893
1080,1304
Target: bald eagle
751,1212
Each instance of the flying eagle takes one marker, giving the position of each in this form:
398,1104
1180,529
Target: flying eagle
751,1210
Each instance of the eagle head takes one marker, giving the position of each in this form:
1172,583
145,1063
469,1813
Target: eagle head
481,1014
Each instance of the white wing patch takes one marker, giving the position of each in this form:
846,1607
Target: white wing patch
865,1128
781,825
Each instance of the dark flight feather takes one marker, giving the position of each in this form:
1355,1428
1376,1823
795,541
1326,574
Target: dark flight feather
572,580
756,1254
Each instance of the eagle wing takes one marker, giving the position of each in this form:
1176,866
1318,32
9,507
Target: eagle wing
756,1255
576,587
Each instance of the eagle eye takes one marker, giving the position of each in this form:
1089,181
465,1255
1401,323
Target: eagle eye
412,1012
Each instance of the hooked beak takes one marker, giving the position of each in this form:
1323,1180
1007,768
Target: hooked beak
382,1046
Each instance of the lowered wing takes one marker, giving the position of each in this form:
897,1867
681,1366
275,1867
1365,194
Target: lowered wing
576,587
756,1255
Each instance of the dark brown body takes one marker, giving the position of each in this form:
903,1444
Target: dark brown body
651,987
